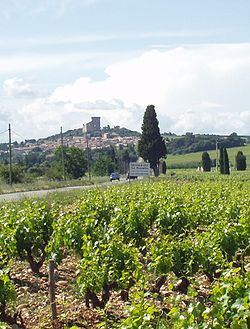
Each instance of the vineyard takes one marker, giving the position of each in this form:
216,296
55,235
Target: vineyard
162,254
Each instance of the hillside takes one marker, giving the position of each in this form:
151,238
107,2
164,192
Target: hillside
190,142
193,160
121,131
68,133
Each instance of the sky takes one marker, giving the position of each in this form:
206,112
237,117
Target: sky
64,61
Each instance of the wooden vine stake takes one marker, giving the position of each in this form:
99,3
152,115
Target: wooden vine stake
52,289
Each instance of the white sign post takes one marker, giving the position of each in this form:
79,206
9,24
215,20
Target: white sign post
139,169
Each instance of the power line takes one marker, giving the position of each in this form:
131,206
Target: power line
13,131
18,134
5,131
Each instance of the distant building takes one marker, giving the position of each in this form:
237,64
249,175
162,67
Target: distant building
93,127
110,135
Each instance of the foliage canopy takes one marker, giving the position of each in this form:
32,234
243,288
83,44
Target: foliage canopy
240,160
151,146
224,161
74,161
206,161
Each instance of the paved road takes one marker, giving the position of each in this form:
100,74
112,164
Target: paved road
29,194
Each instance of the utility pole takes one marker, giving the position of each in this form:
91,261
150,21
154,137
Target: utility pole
88,156
63,167
85,132
217,158
10,157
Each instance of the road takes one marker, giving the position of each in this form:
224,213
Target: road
30,194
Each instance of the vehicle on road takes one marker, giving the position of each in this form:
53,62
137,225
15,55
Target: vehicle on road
114,176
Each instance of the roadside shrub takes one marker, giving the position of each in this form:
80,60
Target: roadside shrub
17,175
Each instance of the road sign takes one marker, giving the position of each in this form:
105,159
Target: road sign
139,169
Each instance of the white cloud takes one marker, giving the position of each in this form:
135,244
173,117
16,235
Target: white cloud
45,116
221,123
203,89
113,104
16,87
4,116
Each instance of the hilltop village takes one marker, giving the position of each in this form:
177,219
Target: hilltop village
99,139
91,135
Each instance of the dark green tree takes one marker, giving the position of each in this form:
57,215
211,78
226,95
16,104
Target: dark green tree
123,160
74,161
240,161
103,166
17,174
224,161
151,146
221,162
111,152
206,161
34,157
54,171
164,167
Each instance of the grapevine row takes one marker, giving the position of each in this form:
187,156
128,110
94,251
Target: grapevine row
140,238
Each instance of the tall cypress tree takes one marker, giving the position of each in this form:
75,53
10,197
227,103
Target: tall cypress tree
224,161
221,161
151,146
164,167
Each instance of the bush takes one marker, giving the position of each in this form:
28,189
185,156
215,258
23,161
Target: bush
164,167
240,160
17,175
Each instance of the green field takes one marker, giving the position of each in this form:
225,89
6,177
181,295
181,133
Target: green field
169,253
194,159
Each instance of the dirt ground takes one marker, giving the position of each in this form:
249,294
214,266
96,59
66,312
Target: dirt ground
33,298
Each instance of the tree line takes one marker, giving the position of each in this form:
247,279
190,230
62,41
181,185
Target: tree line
240,161
74,163
68,163
190,143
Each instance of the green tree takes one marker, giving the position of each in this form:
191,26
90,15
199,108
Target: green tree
123,160
17,175
224,161
206,161
111,152
75,163
103,166
240,160
34,157
151,146
164,167
54,172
